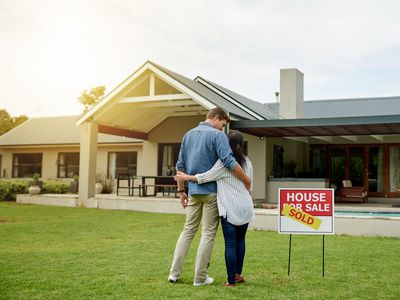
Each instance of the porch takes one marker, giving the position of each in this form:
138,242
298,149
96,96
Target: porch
364,150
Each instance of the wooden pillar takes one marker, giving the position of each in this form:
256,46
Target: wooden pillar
87,160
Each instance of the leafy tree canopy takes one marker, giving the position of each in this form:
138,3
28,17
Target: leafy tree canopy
91,97
7,122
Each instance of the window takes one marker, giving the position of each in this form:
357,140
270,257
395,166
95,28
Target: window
278,161
394,168
319,161
167,158
68,165
122,163
27,164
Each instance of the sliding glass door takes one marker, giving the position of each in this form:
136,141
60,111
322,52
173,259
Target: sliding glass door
338,167
394,171
374,167
376,174
356,164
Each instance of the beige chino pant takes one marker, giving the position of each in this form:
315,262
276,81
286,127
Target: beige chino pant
201,208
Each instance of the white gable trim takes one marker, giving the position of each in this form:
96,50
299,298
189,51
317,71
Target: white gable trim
179,86
167,97
112,94
106,101
230,99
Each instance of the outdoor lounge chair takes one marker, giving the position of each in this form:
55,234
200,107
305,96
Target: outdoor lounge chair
350,193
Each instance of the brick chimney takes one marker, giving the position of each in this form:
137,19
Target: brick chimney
291,94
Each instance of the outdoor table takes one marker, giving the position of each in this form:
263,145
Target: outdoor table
166,183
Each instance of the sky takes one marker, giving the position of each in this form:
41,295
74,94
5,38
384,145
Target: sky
53,50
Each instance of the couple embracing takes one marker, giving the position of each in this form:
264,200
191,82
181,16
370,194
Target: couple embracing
219,176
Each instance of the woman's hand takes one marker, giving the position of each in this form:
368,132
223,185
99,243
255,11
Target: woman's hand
180,176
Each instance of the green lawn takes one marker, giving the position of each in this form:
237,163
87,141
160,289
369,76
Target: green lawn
76,253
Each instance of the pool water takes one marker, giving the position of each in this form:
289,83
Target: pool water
370,214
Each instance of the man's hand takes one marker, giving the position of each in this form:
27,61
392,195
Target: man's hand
184,199
180,176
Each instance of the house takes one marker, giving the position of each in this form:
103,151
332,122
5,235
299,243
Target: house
320,143
50,147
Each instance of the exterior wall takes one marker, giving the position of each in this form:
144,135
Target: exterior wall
257,154
171,130
103,150
50,156
149,159
5,163
293,151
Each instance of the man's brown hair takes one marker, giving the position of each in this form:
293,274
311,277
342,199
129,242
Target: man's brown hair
219,113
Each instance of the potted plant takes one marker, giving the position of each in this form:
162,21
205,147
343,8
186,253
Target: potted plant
74,184
104,185
99,183
35,185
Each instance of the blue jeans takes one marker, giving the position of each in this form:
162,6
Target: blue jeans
235,248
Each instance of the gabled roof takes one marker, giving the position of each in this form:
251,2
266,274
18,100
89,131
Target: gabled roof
356,107
53,131
376,106
247,110
252,105
199,93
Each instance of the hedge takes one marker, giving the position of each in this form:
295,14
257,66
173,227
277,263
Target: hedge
55,187
9,188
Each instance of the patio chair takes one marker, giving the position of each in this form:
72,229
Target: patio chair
126,182
350,193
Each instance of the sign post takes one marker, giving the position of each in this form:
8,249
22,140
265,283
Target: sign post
306,211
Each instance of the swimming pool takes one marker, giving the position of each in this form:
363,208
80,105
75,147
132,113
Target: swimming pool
368,214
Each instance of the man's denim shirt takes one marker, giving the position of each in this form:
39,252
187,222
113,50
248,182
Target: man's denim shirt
201,147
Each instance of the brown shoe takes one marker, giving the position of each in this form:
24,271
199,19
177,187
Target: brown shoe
231,285
239,278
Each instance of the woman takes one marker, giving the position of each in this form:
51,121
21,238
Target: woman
235,206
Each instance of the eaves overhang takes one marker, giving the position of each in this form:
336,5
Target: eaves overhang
341,126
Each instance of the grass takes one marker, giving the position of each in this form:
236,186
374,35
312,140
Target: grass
76,253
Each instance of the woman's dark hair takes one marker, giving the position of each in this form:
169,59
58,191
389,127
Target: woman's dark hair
236,143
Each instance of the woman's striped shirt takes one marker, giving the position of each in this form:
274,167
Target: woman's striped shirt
234,201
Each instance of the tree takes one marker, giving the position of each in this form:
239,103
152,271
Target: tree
7,122
91,97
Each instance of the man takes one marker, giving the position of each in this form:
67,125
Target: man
201,147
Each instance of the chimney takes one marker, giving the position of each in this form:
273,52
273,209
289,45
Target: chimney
291,95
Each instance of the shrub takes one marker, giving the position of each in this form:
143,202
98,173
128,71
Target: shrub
108,183
55,187
10,188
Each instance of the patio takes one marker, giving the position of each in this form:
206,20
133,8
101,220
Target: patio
266,219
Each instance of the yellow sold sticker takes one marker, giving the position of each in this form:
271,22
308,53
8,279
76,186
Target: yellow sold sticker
301,217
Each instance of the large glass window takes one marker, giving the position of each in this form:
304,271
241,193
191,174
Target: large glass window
338,163
319,162
375,169
27,164
394,169
278,161
167,158
356,161
68,165
122,163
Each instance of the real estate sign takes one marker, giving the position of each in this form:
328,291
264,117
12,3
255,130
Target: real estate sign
306,211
